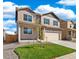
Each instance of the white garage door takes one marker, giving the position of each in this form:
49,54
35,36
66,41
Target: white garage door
52,36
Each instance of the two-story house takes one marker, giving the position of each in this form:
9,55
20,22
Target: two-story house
69,30
27,26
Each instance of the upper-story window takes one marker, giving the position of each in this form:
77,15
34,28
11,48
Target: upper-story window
55,23
27,31
28,18
46,21
70,26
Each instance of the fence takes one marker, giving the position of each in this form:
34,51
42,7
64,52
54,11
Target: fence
11,38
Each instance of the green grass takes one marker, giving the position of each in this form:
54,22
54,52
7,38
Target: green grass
35,51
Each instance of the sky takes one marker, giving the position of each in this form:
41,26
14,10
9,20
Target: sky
64,9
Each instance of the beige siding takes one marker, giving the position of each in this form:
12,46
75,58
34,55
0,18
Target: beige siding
28,36
69,23
62,22
51,21
21,16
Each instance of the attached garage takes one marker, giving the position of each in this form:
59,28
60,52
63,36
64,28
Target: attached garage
52,35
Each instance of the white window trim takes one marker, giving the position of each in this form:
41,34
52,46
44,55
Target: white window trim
30,15
53,23
49,21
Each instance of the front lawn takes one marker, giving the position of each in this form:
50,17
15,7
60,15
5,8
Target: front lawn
36,51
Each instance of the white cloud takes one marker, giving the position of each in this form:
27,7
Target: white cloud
6,28
10,29
9,13
8,16
10,32
9,7
9,22
60,12
10,25
67,2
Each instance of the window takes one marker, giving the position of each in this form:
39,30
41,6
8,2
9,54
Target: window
27,31
69,32
27,18
55,23
70,26
46,21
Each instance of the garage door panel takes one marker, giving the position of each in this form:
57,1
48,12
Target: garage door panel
52,36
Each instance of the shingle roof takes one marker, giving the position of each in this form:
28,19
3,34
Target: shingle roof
52,14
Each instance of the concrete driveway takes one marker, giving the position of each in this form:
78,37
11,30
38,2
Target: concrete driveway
69,44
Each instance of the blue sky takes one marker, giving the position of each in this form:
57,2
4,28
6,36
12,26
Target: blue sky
39,6
35,3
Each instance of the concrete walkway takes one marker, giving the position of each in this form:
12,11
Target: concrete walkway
8,50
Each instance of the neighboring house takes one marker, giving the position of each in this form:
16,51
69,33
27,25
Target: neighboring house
69,30
27,26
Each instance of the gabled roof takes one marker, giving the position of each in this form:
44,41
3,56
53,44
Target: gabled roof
30,10
26,9
52,14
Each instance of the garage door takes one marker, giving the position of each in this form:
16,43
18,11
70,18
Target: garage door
52,36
